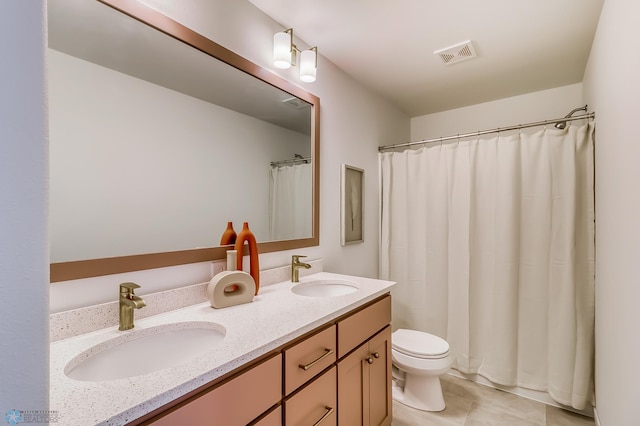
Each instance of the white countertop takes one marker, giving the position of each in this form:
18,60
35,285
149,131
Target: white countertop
275,317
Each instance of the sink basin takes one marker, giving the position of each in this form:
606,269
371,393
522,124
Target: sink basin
324,288
139,352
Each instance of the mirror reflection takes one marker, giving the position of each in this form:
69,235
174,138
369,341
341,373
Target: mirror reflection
155,145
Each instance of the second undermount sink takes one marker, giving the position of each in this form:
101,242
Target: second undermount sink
324,288
144,351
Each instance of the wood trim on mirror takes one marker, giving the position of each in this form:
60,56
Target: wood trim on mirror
65,271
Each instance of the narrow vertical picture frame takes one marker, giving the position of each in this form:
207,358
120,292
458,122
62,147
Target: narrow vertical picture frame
352,205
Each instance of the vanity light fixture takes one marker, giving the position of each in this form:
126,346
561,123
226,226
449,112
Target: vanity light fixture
308,65
285,52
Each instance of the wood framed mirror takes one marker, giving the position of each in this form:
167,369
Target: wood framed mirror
116,204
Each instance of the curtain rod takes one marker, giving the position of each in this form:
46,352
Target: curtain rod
294,161
484,132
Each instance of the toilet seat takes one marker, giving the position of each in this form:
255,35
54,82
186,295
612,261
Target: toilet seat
419,344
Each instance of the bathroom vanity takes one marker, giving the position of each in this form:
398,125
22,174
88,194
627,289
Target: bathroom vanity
286,358
319,382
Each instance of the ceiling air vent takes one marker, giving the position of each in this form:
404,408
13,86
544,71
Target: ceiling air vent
457,53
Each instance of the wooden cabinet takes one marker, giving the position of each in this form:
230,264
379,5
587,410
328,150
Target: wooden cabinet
273,418
357,328
306,359
338,374
315,404
235,402
380,401
364,383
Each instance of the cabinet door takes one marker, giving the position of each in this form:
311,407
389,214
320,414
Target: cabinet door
380,378
352,382
364,383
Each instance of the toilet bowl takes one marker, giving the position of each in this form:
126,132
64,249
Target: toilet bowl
419,359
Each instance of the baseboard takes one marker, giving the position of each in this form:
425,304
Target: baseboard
539,396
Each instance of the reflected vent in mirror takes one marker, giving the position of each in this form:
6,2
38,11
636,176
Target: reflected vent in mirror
296,102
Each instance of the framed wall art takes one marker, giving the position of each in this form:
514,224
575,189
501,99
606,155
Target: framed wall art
352,205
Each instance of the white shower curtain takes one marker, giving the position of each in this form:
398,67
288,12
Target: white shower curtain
290,202
492,245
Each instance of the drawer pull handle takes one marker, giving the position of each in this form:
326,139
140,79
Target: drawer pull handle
370,360
376,355
327,414
327,352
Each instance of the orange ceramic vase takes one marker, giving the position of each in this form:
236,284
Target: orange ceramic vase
228,236
254,268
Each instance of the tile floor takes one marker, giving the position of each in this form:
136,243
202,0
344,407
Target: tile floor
472,404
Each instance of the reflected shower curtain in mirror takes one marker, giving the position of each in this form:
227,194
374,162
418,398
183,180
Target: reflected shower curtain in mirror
491,243
290,202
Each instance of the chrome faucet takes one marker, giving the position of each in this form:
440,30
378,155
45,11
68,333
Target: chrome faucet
295,267
128,302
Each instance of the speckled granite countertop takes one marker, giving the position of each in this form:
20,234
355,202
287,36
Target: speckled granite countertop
275,316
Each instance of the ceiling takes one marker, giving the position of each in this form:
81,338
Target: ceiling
522,46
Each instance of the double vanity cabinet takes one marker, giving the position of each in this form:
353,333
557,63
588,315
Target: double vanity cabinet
339,373
293,356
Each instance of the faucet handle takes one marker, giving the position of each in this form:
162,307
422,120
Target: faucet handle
128,288
296,258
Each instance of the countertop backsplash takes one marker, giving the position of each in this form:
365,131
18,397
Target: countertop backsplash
74,322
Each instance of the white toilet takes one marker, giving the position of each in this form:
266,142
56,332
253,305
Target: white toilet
419,359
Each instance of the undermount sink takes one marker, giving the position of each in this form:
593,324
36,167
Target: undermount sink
324,288
144,351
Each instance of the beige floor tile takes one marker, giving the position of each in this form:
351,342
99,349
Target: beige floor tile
473,404
495,400
407,416
497,416
559,417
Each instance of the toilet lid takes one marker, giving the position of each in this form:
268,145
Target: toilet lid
419,344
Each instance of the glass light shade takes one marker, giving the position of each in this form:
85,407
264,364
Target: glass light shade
308,66
282,50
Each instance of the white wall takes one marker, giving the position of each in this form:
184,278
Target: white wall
24,348
130,158
612,86
354,122
529,108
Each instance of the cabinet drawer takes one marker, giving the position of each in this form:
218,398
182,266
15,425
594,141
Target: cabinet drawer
315,404
306,359
236,402
357,328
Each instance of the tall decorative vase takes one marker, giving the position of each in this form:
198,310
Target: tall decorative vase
228,236
254,268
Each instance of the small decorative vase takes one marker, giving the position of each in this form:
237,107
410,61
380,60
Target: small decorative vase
230,287
254,268
228,236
